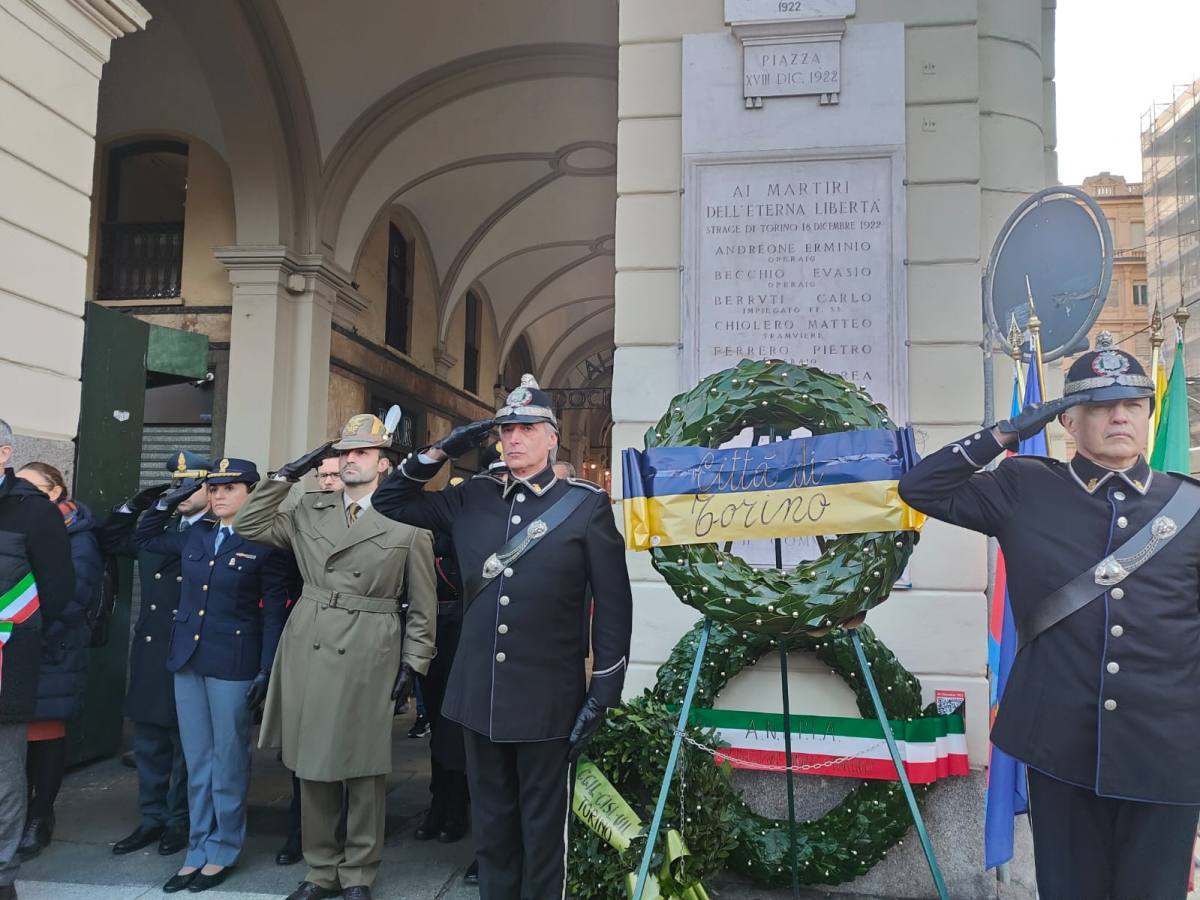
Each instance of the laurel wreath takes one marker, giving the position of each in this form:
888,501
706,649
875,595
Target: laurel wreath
854,573
753,612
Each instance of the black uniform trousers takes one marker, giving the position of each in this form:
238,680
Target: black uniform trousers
162,775
1088,847
520,803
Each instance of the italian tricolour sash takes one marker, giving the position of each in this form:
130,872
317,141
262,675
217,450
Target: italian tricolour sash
17,604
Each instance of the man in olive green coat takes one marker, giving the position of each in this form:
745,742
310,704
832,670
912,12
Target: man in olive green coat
340,668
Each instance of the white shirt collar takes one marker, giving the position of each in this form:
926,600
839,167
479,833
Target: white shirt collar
363,504
193,519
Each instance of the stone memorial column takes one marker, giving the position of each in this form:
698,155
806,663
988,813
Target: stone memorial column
820,181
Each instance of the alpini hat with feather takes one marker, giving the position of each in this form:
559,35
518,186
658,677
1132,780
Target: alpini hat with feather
526,404
1108,373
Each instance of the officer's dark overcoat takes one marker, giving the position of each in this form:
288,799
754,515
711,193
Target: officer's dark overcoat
1106,699
519,674
151,694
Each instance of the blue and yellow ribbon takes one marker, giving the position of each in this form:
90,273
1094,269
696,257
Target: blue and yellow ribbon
842,483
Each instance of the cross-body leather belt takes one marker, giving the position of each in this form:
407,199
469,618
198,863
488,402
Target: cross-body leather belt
1134,553
524,541
341,600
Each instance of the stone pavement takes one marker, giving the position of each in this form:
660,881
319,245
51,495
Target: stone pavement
98,806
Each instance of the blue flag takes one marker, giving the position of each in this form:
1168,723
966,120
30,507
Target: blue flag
1007,792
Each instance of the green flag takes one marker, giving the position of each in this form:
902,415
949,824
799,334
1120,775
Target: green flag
1172,434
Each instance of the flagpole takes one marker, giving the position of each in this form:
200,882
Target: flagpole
1035,330
1015,340
1156,342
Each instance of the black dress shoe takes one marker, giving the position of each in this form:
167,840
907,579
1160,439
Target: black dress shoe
357,892
172,841
36,837
452,834
203,882
471,876
310,891
430,827
177,882
291,852
143,836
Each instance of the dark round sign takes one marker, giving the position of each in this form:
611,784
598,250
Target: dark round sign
1060,239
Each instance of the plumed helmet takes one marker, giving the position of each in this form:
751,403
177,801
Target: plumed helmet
527,403
363,430
1108,373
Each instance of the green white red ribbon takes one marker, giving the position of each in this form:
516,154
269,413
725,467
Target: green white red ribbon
932,747
17,604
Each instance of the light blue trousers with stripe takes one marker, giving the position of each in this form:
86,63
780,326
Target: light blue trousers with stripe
215,730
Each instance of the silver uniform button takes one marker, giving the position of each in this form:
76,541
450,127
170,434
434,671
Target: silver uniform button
195,637
504,601
1119,495
503,629
1122,521
147,639
520,498
158,576
500,657
153,607
179,578
1117,593
516,520
1113,668
1116,631
1110,705
508,573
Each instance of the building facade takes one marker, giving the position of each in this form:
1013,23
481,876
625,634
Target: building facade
1171,173
1128,307
415,204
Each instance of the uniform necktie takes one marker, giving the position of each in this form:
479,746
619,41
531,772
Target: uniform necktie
352,512
222,532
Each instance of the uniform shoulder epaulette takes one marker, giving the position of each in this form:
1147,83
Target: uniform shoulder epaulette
1192,479
1033,457
591,486
488,476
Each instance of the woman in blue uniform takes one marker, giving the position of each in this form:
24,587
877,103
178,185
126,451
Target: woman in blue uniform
231,611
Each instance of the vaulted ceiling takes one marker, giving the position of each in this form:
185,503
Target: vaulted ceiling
493,124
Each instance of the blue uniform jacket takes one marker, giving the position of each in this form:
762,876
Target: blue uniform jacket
231,606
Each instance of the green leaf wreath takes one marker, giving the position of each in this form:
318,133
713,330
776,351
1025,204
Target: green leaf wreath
753,612
855,573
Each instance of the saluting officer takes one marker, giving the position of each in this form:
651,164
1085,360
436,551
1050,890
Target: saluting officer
528,546
150,701
223,641
1103,561
341,666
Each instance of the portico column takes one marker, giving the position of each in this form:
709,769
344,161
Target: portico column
283,310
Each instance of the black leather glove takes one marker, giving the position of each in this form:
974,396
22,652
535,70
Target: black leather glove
1036,416
144,499
177,495
466,438
256,694
297,467
403,687
586,724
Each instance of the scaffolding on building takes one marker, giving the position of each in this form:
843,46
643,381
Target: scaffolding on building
1171,174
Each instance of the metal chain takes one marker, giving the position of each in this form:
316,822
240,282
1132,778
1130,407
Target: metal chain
767,767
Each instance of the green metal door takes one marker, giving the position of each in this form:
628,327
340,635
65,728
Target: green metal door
107,459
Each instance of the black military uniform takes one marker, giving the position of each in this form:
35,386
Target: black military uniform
150,698
518,680
1102,704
